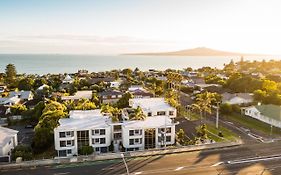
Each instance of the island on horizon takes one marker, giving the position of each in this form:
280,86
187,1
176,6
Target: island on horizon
199,51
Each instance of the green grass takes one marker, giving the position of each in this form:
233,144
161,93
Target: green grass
251,123
227,134
188,115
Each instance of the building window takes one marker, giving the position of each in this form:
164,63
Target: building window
102,140
131,142
149,114
62,144
96,132
168,139
97,149
62,134
138,141
168,130
102,132
131,132
161,113
69,151
70,133
171,112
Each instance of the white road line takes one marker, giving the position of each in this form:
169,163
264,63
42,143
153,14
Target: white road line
62,173
217,164
179,168
253,160
138,172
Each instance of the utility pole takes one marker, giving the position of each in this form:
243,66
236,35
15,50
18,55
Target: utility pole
217,117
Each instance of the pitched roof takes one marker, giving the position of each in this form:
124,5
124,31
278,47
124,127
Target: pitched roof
271,111
23,94
228,96
110,92
6,135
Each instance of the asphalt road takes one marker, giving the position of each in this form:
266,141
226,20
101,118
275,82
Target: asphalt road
261,158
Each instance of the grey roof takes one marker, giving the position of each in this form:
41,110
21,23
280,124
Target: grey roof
228,96
110,92
24,95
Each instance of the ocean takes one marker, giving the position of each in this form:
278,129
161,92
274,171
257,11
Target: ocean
44,63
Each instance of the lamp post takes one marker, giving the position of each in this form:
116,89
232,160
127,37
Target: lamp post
127,169
217,117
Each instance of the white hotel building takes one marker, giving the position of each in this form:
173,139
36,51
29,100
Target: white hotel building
91,128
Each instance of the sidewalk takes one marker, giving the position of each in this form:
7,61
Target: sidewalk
109,156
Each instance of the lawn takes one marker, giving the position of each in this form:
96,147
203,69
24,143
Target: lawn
251,123
227,134
213,133
188,115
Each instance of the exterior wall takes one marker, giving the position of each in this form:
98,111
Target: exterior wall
74,148
126,137
167,112
9,146
254,113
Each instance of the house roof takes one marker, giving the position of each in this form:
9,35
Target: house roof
6,135
110,92
23,94
228,96
151,104
79,95
83,120
149,122
271,111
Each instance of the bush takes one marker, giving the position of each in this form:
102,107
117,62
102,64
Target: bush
22,151
86,150
225,108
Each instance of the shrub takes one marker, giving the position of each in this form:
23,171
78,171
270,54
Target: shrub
22,151
86,150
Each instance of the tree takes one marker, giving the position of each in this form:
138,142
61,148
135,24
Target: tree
137,115
26,84
204,102
44,130
123,102
181,137
112,111
226,108
172,98
18,109
11,73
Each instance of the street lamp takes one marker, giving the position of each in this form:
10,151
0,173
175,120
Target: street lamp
127,169
217,117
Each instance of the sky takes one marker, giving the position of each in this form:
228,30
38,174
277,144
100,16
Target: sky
125,26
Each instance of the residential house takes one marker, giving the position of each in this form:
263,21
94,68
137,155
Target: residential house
237,98
22,95
270,114
115,84
8,141
139,92
110,96
154,107
78,95
67,80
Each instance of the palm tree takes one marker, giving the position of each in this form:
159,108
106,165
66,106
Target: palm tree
204,103
138,114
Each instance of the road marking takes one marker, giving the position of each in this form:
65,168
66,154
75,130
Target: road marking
138,172
179,168
253,160
217,164
62,173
